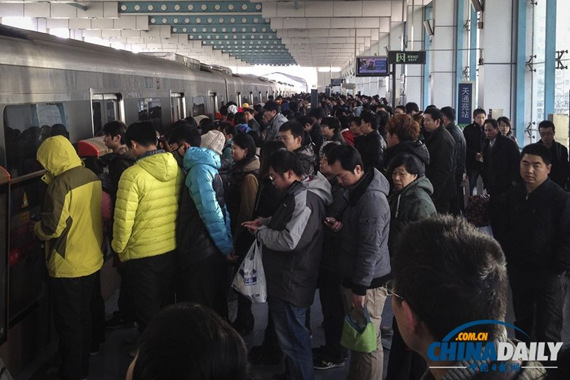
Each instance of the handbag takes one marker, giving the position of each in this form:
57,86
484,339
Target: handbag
250,277
356,337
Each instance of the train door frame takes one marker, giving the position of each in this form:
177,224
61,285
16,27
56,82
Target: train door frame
5,250
104,96
213,100
179,98
260,97
238,98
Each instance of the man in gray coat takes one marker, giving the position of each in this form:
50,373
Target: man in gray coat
364,262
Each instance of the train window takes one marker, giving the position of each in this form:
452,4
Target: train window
178,106
26,126
150,109
106,108
257,99
198,106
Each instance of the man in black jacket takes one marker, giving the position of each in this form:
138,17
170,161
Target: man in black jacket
558,153
500,169
369,144
448,114
441,169
534,236
474,138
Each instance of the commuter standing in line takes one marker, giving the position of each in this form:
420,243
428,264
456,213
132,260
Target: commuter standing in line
447,274
292,241
500,168
291,134
441,168
273,119
558,153
474,138
448,114
369,145
364,261
534,234
203,232
72,227
145,222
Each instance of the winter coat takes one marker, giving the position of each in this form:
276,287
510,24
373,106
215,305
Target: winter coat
71,221
460,151
370,148
242,194
272,130
441,169
500,169
533,227
146,207
206,192
292,241
560,167
117,164
413,203
474,138
417,148
306,155
364,262
332,240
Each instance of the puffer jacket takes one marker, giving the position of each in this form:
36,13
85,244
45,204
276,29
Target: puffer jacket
411,204
306,155
364,262
272,130
292,241
202,166
146,207
71,217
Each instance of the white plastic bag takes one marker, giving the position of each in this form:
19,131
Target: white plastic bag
250,277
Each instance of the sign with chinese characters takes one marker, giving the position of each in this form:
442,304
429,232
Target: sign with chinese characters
465,103
407,57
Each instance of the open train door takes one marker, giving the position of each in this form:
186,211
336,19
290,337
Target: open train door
4,246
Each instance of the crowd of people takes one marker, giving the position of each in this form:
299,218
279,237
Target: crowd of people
358,200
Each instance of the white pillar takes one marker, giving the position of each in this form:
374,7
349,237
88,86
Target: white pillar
442,63
496,75
414,73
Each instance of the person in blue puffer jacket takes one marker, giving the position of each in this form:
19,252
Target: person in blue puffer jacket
203,233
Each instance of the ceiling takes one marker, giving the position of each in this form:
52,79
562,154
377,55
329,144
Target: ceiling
232,33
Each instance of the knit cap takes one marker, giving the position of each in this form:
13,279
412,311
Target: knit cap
213,140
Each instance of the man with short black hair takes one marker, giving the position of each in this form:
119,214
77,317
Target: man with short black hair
145,222
273,119
558,152
447,274
399,110
534,235
250,118
441,168
291,134
369,144
474,138
364,262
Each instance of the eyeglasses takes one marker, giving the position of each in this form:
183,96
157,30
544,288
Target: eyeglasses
390,285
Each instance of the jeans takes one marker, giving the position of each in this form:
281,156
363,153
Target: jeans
294,338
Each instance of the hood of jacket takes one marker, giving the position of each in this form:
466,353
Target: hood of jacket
162,166
416,148
320,186
57,155
252,165
279,119
422,183
201,156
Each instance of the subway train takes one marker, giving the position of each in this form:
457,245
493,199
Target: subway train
48,83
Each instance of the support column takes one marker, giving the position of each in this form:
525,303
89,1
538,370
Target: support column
518,121
497,72
414,73
460,46
443,53
549,61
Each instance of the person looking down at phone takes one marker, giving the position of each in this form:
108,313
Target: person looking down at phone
364,262
292,242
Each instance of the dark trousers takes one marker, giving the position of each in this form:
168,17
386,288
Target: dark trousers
538,300
71,301
150,285
97,314
473,175
333,313
205,282
403,363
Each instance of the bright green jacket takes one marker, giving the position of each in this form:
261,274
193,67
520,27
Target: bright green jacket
71,218
146,207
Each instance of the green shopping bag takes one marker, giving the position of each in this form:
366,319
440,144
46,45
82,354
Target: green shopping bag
356,337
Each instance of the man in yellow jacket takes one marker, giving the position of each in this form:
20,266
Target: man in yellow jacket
144,229
72,228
